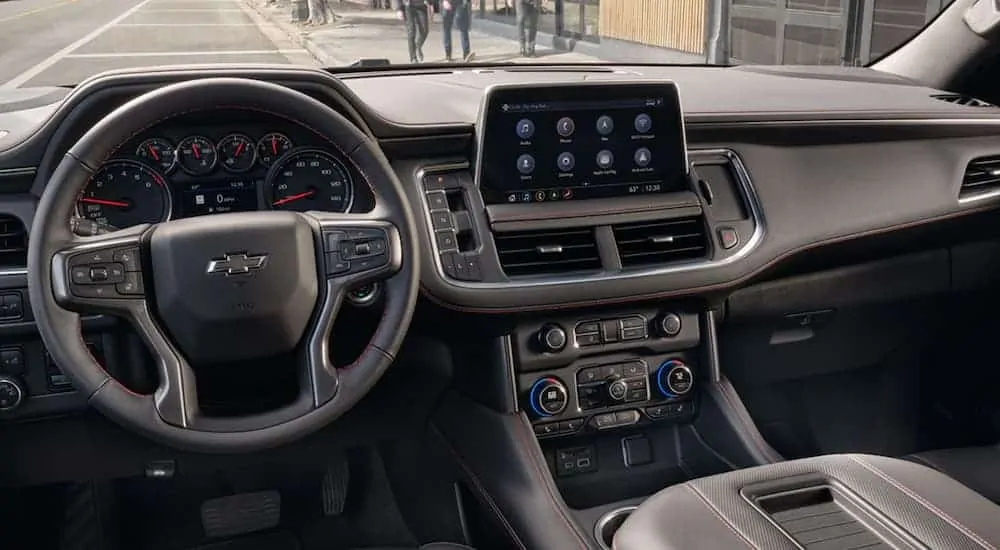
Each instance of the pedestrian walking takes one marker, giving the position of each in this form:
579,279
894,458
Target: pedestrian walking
527,25
415,14
457,13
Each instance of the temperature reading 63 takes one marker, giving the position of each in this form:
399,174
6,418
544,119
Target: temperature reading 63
645,188
310,179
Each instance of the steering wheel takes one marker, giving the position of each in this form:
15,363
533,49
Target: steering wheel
226,287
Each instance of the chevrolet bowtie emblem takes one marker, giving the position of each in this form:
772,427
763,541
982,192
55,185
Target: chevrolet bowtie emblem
237,264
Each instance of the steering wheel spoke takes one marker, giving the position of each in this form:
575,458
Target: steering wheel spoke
101,274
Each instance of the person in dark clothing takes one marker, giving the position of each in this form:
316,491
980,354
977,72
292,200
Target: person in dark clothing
527,25
457,13
415,14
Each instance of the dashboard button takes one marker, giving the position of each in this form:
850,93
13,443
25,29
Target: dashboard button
525,128
570,426
605,125
610,331
591,339
590,326
566,162
631,370
11,306
446,240
635,395
605,159
550,428
565,127
642,157
441,220
634,333
643,123
525,164
728,237
437,200
604,421
624,418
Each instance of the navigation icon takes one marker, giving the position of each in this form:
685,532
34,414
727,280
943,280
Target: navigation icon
643,123
605,125
642,157
525,128
605,159
525,164
565,127
566,161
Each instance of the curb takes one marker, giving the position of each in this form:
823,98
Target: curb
297,35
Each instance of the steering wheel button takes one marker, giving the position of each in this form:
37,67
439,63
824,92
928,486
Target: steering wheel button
131,286
378,246
95,291
128,258
99,274
335,265
368,263
332,240
80,275
362,249
93,257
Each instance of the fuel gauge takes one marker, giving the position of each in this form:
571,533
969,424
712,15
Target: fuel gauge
272,146
237,153
158,152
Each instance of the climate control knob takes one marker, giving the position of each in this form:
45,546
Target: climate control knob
548,396
674,378
12,394
616,388
552,338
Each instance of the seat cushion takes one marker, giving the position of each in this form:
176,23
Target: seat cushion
874,502
976,467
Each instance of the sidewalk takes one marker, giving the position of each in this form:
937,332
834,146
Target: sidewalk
359,32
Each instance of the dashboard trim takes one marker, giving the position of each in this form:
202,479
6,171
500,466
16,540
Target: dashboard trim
751,243
11,172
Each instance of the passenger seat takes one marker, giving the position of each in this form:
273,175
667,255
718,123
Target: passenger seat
974,467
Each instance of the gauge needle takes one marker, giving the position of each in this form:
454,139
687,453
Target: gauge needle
239,149
152,151
104,202
274,145
291,198
197,153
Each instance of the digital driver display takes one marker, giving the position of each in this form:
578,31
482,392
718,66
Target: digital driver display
218,197
568,142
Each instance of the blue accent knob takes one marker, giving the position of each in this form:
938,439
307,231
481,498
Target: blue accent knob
535,395
663,377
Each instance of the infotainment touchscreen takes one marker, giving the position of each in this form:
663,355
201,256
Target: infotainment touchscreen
580,141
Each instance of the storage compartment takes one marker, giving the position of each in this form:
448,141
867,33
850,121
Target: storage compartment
607,526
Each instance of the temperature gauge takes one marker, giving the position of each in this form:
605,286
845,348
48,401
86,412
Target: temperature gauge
196,155
158,152
237,153
271,147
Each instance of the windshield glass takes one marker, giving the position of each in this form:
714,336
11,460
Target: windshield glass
61,42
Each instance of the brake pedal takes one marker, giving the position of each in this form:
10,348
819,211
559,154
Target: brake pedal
241,513
335,484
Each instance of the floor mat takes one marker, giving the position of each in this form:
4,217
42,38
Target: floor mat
269,541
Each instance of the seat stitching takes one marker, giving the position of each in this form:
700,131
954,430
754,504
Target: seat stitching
720,517
934,509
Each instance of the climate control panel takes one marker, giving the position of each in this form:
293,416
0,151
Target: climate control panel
597,397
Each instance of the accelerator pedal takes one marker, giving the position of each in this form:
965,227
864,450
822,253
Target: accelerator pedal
241,513
335,485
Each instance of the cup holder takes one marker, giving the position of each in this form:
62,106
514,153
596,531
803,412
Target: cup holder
607,526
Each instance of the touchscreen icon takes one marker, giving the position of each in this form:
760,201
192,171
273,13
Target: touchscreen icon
643,123
525,128
605,125
605,159
642,157
566,161
526,164
565,126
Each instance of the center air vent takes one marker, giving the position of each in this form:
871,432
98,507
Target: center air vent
13,242
963,100
547,252
981,175
661,241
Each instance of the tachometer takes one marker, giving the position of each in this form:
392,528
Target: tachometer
158,152
271,147
310,179
123,193
196,155
237,152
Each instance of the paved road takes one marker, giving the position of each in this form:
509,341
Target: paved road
58,42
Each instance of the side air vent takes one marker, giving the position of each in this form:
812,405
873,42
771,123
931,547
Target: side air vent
981,175
547,252
963,100
13,242
661,241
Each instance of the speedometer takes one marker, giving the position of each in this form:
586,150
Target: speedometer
123,193
310,179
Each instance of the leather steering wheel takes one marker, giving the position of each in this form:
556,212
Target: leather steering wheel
225,287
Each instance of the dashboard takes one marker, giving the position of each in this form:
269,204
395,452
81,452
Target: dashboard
217,162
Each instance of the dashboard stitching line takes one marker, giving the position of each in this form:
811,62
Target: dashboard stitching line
930,507
712,287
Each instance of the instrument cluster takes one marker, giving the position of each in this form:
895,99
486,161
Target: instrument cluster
187,170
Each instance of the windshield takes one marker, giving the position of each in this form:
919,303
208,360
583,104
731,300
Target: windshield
61,42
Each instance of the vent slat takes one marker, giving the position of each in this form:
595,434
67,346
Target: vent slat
963,100
526,253
981,175
661,242
13,242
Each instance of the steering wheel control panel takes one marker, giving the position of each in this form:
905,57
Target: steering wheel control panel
631,368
